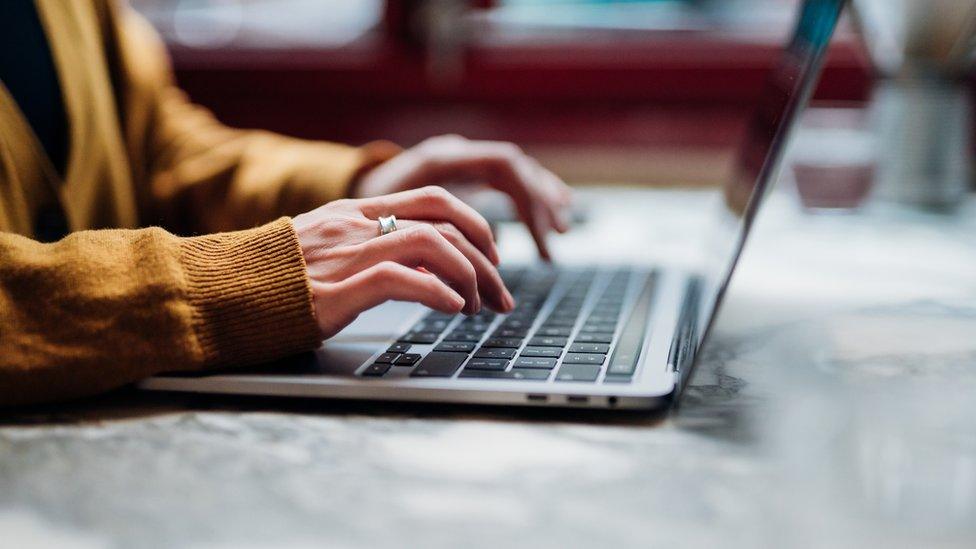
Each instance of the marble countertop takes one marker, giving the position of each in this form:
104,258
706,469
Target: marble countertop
835,405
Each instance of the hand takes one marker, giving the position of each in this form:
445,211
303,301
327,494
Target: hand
540,197
441,255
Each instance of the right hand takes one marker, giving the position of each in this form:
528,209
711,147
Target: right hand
443,255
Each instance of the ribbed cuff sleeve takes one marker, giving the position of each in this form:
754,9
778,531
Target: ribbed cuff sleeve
250,295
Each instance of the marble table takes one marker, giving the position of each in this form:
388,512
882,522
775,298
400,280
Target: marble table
835,406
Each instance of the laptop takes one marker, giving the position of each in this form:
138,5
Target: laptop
582,337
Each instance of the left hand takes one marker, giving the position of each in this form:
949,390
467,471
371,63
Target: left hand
541,199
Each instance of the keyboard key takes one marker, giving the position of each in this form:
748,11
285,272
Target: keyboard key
509,342
399,348
601,319
495,353
554,331
387,358
543,352
376,370
580,358
437,364
548,341
531,362
473,327
486,364
420,337
484,316
470,325
455,347
469,329
408,359
510,332
463,336
598,328
517,323
578,372
526,375
564,321
594,338
437,315
430,326
601,348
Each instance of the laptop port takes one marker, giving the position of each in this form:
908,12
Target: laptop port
576,399
537,398
612,401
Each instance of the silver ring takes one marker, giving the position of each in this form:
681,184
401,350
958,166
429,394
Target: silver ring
387,224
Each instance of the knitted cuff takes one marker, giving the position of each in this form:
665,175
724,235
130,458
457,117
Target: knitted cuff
250,295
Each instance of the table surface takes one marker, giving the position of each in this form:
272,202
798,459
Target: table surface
833,406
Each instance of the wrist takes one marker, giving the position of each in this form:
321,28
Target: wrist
372,155
249,291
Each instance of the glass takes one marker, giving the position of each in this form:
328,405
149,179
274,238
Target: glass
833,159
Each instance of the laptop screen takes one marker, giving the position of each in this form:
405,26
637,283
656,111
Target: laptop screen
784,96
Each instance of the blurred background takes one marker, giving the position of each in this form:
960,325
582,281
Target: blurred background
644,91
641,92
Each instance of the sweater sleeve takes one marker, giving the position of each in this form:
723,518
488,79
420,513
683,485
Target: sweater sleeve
100,309
198,175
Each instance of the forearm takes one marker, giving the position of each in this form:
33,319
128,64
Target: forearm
196,175
100,309
205,177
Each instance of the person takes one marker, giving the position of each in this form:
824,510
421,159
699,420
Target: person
139,235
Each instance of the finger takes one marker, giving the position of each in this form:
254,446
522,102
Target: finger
554,211
562,193
565,192
538,185
536,218
512,172
560,198
417,246
390,281
490,284
436,204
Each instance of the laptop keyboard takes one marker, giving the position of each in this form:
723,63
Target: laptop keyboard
569,325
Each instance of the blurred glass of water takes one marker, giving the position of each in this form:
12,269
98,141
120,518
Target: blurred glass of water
833,159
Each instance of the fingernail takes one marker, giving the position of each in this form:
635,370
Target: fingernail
509,301
457,301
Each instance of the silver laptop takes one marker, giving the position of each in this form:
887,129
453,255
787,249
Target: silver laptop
600,337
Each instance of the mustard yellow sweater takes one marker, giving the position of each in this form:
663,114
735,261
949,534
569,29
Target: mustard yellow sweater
114,302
